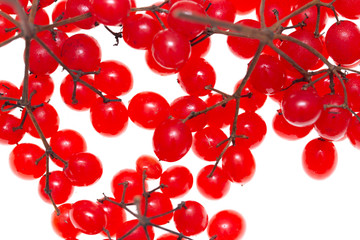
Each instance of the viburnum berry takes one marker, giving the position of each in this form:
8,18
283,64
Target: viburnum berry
178,180
8,89
353,90
59,14
150,165
114,78
244,6
62,224
319,158
75,8
9,8
133,182
170,49
9,131
227,224
222,10
172,139
41,88
239,164
115,216
88,217
27,161
83,169
60,187
4,25
253,102
182,107
222,115
138,233
191,219
81,52
348,9
111,13
157,204
309,16
195,75
215,186
201,49
353,132
274,9
148,109
156,67
109,118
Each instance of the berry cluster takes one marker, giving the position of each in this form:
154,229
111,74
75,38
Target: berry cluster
290,61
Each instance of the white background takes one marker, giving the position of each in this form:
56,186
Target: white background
281,202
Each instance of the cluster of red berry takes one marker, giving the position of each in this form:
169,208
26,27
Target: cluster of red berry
306,73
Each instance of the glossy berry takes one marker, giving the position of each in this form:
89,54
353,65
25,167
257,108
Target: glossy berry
84,96
301,107
23,161
75,8
207,143
111,13
227,224
148,109
319,158
195,76
139,30
115,216
62,224
353,132
170,49
8,89
239,164
137,234
191,219
222,10
59,185
182,107
110,118
156,67
9,134
157,204
341,41
47,118
4,25
83,169
252,99
178,180
310,16
222,115
41,87
282,8
287,131
353,90
59,14
150,165
185,27
88,217
81,52
134,185
172,139
114,78
214,187
253,127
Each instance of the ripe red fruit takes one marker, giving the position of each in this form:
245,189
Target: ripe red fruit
65,143
287,131
75,8
115,216
348,8
8,135
239,164
185,27
319,158
110,118
8,89
310,16
251,125
214,187
253,103
270,68
181,107
227,224
84,96
23,161
333,122
283,8
81,52
195,75
47,118
59,14
353,90
88,217
157,204
301,107
83,169
156,67
205,144
5,24
353,132
111,13
222,10
151,165
137,234
244,47
222,115
170,49
134,185
341,42
148,109
139,30
62,224
41,87
172,139
59,185
178,180
191,219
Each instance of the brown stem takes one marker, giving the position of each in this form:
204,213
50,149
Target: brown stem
262,16
7,41
64,22
9,18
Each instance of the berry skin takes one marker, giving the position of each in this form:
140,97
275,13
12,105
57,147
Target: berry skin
214,187
178,179
227,225
111,13
62,224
